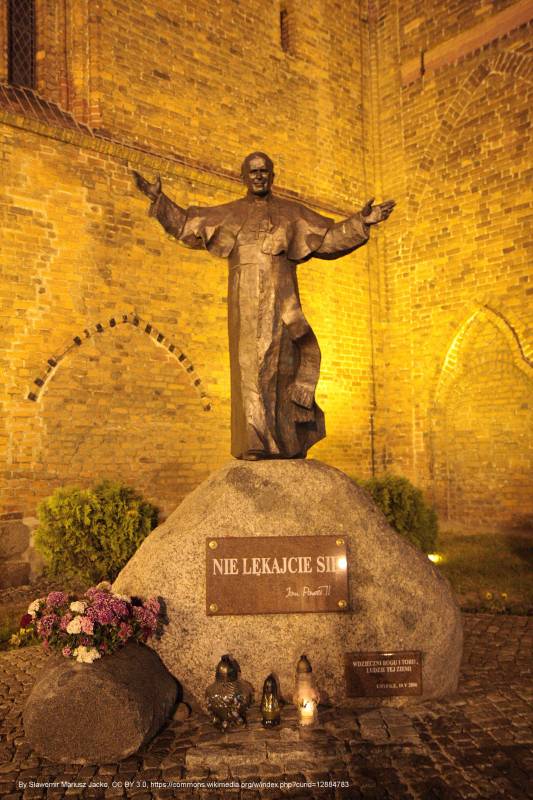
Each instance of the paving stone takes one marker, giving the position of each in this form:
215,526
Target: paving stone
197,772
468,745
211,756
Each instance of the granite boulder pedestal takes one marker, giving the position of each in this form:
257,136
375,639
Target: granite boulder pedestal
398,601
101,712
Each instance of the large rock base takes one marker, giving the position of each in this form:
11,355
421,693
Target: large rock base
101,712
398,599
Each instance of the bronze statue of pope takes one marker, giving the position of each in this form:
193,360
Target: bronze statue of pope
274,354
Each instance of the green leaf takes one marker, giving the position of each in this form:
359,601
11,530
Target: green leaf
90,534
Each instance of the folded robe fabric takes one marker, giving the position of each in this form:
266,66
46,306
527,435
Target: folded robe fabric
274,413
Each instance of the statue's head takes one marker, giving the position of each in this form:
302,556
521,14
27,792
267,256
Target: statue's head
257,172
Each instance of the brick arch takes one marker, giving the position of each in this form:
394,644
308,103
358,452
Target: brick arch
478,425
452,367
158,338
505,63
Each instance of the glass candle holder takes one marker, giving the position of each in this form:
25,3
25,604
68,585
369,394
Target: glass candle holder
306,696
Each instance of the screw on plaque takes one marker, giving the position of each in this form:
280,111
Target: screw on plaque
213,608
342,604
339,542
213,544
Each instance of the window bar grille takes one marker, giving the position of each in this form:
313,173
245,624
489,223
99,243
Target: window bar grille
21,43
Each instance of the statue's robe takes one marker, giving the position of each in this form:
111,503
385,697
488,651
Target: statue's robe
274,354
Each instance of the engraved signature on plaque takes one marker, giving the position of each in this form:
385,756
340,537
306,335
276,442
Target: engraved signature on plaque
380,674
307,591
276,574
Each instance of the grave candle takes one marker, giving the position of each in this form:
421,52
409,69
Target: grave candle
306,696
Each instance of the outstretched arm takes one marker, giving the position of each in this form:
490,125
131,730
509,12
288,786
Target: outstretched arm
344,237
372,214
169,214
151,190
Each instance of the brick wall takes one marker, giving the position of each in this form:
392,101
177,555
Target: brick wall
103,313
211,81
459,251
120,335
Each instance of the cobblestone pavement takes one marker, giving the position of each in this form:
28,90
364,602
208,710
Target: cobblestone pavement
476,744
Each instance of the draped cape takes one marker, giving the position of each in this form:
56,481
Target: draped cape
274,354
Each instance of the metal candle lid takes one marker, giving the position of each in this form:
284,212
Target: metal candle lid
304,665
227,669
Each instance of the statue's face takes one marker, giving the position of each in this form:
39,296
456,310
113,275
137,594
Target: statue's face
258,176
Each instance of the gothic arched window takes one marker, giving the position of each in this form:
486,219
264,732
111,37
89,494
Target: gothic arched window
21,43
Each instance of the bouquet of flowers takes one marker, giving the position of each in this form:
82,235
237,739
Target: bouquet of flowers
98,624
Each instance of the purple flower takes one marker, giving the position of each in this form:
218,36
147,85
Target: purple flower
104,616
94,593
57,599
111,618
145,618
26,620
153,605
120,608
46,624
65,619
125,631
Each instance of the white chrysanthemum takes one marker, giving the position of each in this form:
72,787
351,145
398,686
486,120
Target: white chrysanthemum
78,606
74,625
86,655
33,607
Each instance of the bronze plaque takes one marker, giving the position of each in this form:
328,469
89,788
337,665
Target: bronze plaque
375,674
276,574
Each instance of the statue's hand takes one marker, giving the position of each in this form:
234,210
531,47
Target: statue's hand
372,214
151,190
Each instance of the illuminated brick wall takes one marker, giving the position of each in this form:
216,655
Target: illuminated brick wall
456,88
120,335
115,333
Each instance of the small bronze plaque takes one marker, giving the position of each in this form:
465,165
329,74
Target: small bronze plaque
276,574
372,674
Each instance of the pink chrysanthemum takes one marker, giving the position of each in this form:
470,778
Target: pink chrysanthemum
65,619
57,599
153,605
145,618
87,626
112,620
46,625
125,631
